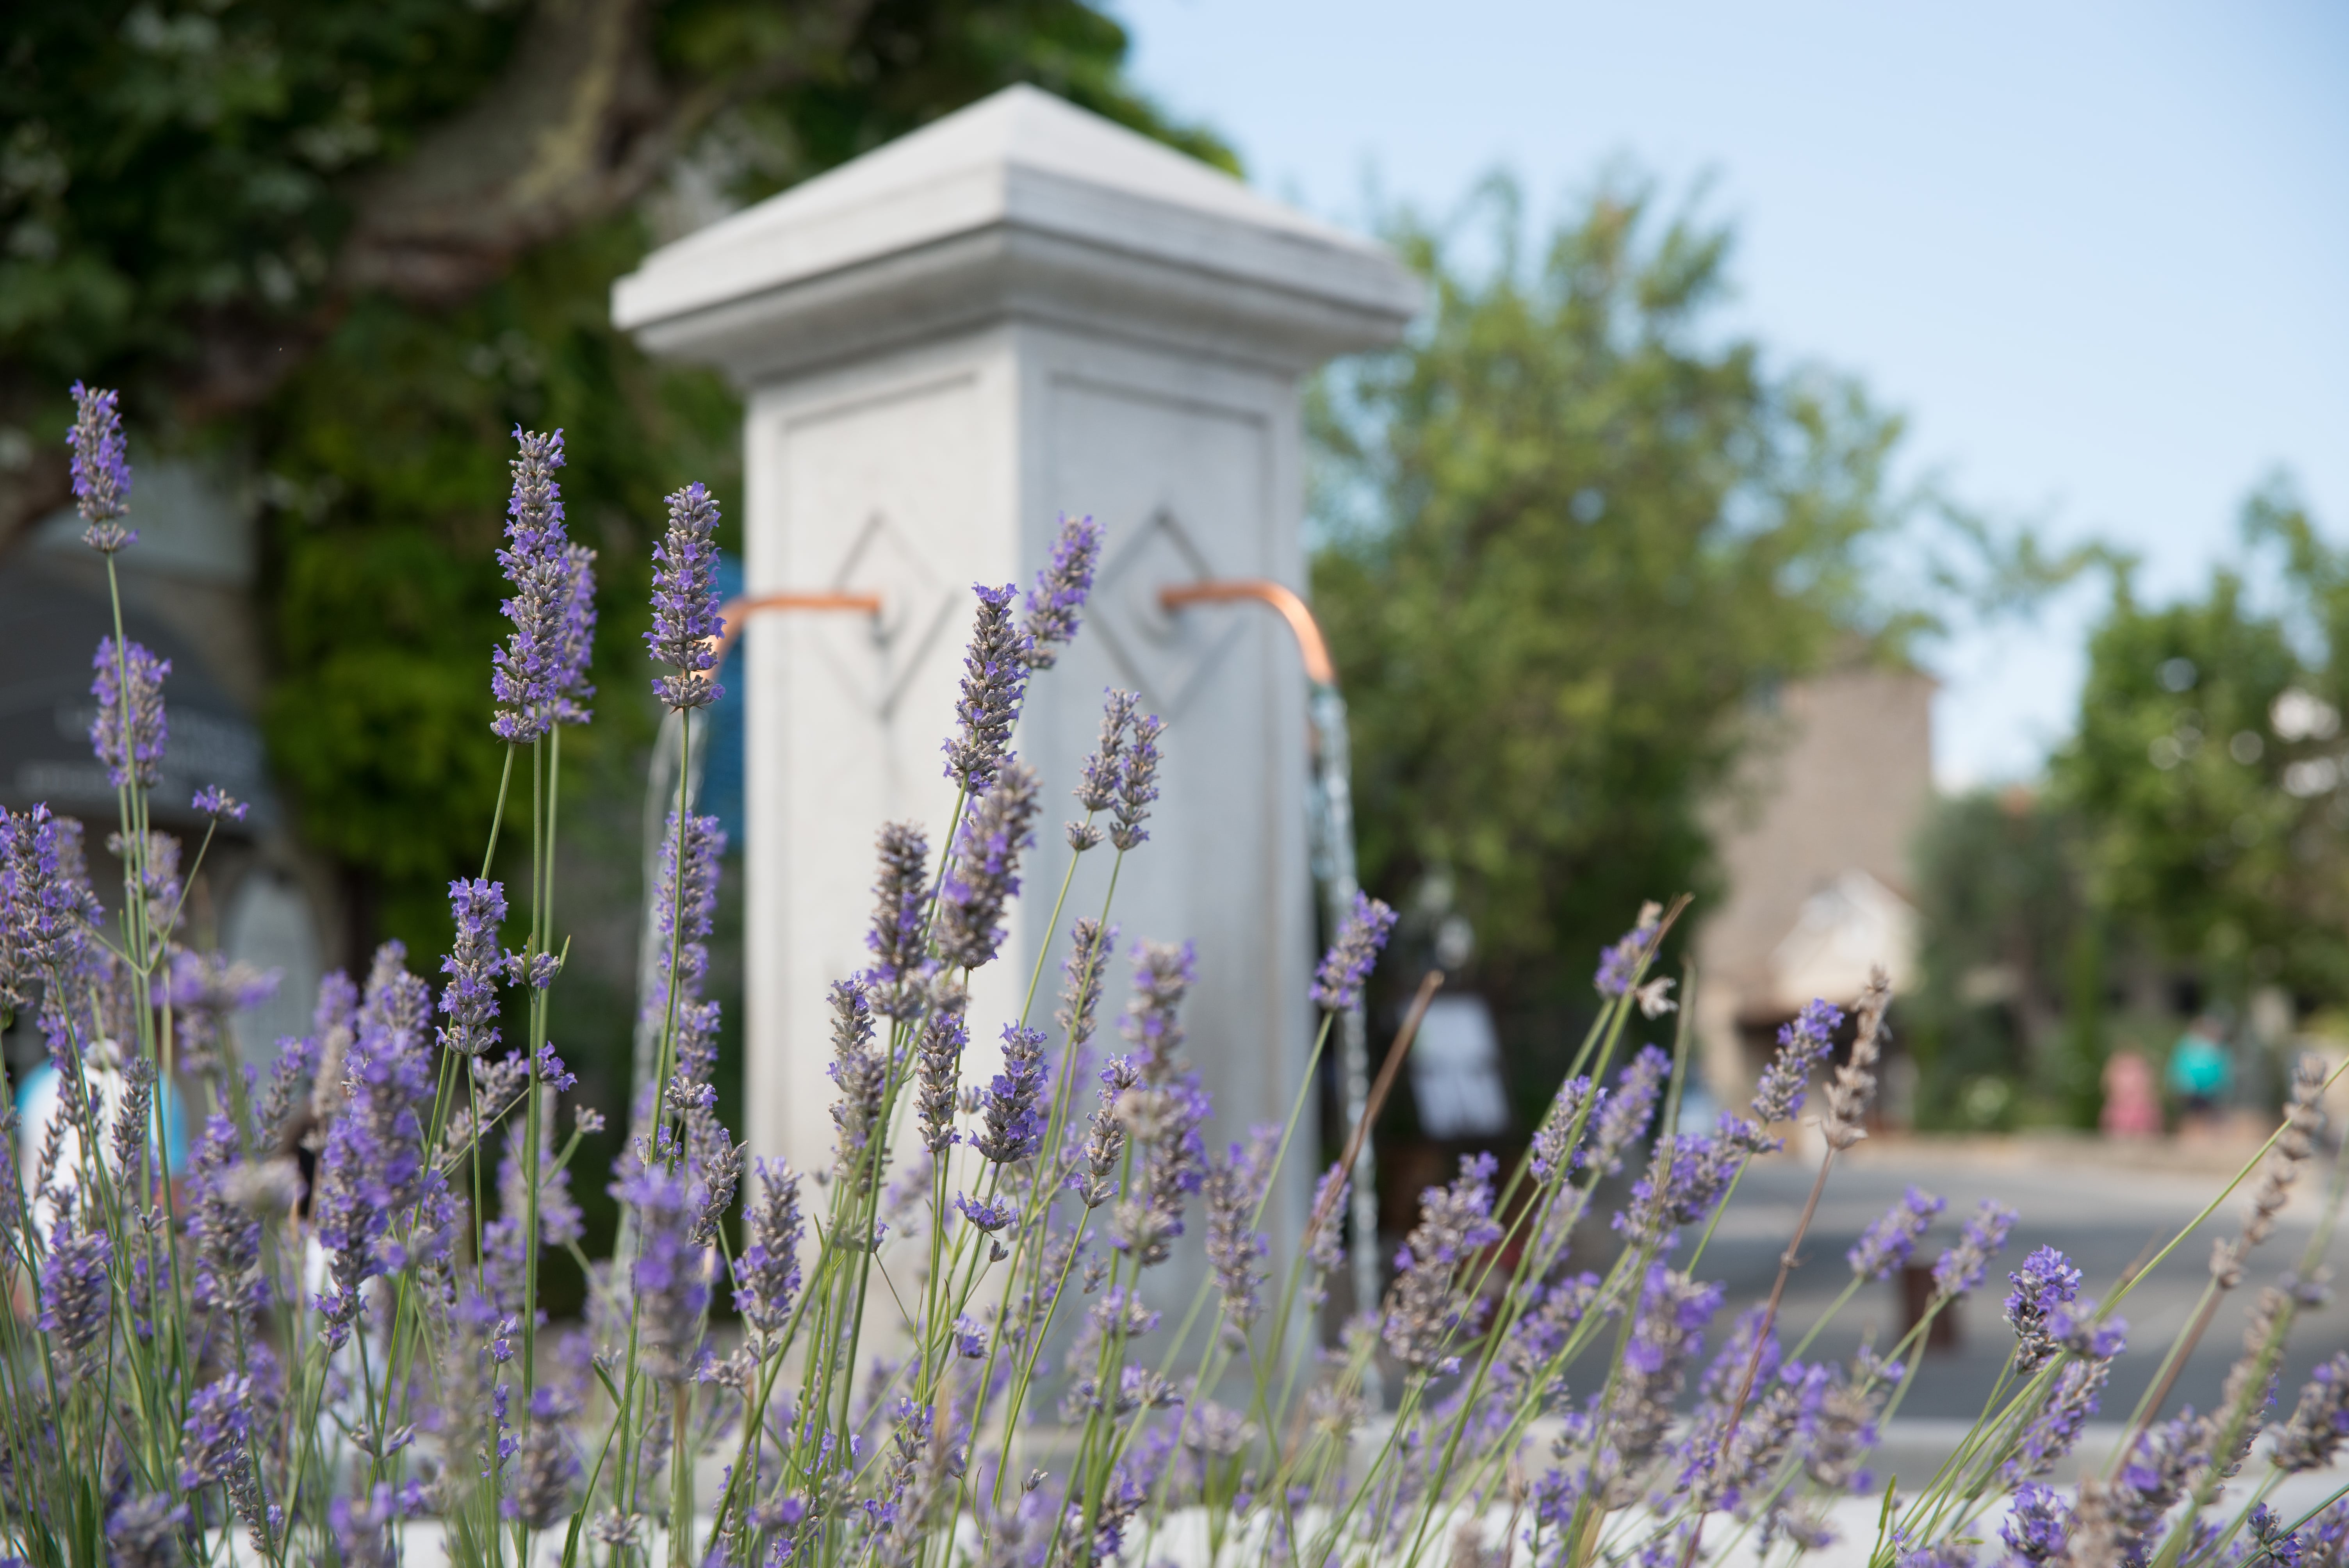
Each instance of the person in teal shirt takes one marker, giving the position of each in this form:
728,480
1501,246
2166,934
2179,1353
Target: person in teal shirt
2200,1069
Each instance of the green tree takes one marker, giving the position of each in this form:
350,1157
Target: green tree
1575,535
2208,766
2010,964
348,247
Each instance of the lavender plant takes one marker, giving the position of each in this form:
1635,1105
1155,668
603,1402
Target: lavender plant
1030,1313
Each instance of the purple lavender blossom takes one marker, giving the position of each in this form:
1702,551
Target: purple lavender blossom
217,803
547,1470
993,679
129,731
1105,1136
2044,1287
1624,1116
861,1073
506,1245
145,1530
685,916
1164,974
1888,1243
1137,784
2319,1423
1082,972
1234,1192
46,906
1339,984
526,676
686,622
1059,592
1961,1269
373,1167
224,1233
470,998
1104,770
2055,1427
1803,1045
1620,965
1325,1240
2037,1526
574,637
767,1271
1633,1416
989,1214
985,872
101,470
1554,1147
1686,1176
77,1293
669,1282
1424,1308
900,895
937,1074
1013,1124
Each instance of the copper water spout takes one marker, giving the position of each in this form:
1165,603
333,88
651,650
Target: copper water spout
739,610
1310,644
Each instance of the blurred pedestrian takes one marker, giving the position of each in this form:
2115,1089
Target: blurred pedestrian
2200,1072
2132,1103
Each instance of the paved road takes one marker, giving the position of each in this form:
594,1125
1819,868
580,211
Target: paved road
2108,1209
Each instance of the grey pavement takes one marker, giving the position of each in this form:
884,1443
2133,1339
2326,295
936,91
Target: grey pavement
2108,1207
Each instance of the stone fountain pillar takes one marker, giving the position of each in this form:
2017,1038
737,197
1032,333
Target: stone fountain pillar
1019,311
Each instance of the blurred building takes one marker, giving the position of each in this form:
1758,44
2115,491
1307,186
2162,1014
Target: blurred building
1815,844
188,590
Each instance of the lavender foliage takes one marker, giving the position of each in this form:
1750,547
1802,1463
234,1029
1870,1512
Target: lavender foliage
686,622
1338,984
129,730
101,468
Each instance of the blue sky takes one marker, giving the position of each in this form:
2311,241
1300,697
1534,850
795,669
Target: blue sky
2098,254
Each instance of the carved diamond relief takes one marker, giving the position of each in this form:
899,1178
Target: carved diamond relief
875,655
1166,655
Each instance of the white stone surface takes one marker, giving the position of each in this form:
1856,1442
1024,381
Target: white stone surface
1018,311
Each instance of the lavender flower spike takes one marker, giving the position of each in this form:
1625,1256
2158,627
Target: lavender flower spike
1961,1269
1803,1045
1235,1191
1350,958
1425,1308
218,804
1620,965
101,472
77,1293
767,1271
2044,1287
129,731
525,676
1137,786
574,637
686,622
470,998
985,872
1887,1244
899,894
1104,770
1014,1125
993,679
1061,589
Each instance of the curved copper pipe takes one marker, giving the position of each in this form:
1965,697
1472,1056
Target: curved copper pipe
739,610
1310,645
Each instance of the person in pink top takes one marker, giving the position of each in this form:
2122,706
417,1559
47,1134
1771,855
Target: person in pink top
2132,1103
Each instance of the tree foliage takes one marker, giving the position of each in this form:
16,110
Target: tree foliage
347,248
2207,765
1574,533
